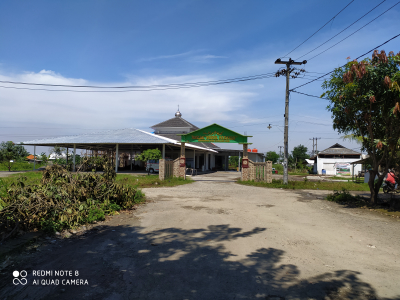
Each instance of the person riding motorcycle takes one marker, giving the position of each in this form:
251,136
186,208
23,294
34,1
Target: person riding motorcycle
391,180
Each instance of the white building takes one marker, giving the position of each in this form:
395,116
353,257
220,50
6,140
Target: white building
335,160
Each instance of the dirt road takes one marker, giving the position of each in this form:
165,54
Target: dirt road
215,239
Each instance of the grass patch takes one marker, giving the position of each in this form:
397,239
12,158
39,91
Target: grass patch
298,173
32,178
150,181
19,166
309,185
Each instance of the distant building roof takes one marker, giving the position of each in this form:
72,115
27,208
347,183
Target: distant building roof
338,149
30,156
176,122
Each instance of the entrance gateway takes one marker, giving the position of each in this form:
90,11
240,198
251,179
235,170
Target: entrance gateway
214,133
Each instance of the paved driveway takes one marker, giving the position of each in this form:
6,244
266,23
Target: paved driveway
215,239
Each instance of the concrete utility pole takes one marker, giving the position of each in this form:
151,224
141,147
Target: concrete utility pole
286,132
312,153
316,145
280,152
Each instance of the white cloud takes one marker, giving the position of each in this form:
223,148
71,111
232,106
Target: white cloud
172,56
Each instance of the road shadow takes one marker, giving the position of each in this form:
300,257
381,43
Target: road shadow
128,262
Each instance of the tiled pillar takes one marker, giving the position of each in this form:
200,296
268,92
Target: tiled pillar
245,171
161,172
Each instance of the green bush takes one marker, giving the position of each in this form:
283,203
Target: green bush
63,200
342,196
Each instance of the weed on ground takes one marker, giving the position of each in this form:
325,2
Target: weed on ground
344,197
147,181
309,185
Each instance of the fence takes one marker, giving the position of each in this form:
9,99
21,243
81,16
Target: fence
258,171
168,168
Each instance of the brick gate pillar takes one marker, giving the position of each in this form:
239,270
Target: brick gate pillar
182,162
161,169
245,164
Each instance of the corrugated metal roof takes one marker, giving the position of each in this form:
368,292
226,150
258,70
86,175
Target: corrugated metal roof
119,136
338,149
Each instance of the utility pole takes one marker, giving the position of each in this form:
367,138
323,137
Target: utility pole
316,145
286,132
280,152
312,153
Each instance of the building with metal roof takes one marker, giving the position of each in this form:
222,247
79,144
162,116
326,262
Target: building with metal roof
126,143
328,160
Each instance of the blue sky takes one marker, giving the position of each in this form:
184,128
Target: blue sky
160,42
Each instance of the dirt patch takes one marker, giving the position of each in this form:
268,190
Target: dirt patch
266,205
194,207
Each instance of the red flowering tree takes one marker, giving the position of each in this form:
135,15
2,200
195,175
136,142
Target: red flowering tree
364,101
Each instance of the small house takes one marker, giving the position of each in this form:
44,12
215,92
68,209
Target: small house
336,160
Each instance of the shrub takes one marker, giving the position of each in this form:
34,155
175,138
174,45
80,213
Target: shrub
342,196
63,200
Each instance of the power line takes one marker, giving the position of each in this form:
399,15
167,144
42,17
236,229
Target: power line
166,86
396,36
354,32
309,95
319,29
340,31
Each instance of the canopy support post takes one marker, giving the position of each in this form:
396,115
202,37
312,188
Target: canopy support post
74,167
116,159
34,158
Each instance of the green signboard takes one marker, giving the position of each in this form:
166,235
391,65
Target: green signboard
214,134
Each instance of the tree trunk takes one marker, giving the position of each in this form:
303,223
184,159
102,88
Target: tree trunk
374,194
374,188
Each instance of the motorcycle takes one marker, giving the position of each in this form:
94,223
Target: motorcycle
389,188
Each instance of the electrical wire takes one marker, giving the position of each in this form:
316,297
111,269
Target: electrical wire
309,95
172,85
396,36
353,32
340,31
319,29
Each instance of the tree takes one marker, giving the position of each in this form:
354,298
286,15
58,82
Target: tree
149,154
44,158
299,154
57,150
272,156
18,151
234,161
364,101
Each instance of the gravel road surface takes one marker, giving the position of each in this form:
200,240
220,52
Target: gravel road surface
215,239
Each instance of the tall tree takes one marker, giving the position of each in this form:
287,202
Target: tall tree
272,156
364,101
9,149
299,153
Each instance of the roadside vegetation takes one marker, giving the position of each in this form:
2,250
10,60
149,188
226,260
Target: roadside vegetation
150,181
344,197
309,185
61,199
19,166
